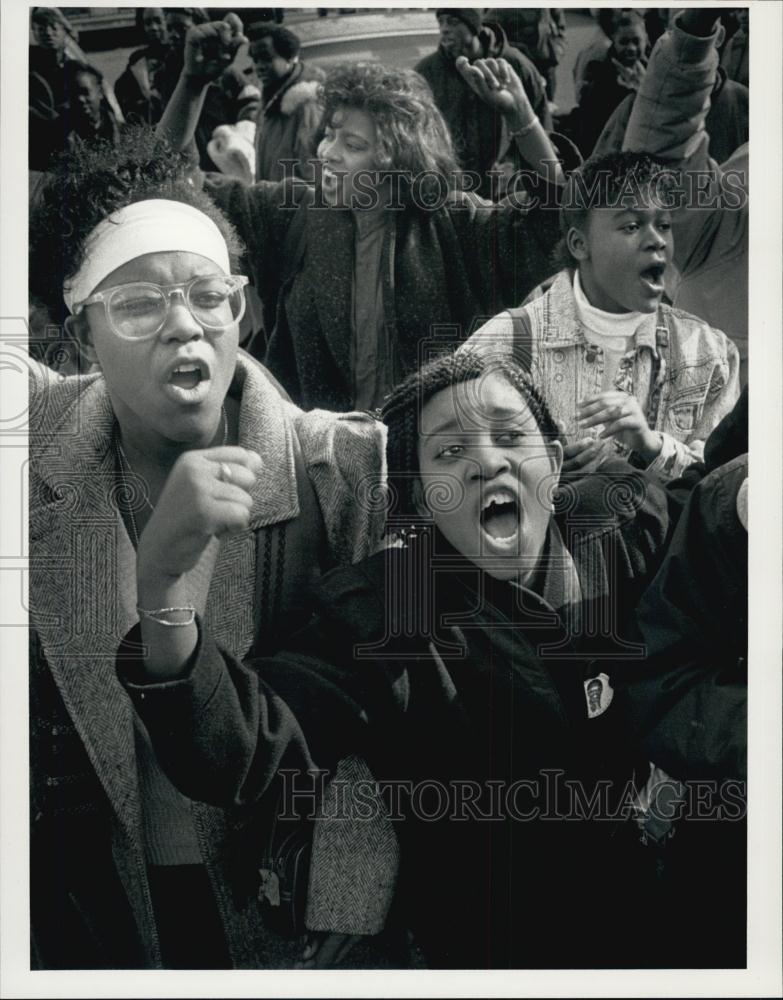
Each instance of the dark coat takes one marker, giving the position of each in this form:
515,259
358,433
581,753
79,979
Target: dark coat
688,702
601,93
689,697
139,88
445,273
476,129
495,692
288,125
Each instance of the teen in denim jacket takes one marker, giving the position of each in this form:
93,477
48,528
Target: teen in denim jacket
621,372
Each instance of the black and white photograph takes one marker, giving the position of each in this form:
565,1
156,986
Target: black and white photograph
401,614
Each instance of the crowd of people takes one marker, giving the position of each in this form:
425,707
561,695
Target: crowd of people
397,453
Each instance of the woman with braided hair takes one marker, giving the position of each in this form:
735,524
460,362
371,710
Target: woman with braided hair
173,483
358,272
464,653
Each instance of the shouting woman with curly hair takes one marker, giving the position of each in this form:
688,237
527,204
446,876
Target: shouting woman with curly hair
392,251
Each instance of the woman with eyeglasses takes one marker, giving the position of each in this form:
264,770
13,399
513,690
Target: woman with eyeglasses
171,485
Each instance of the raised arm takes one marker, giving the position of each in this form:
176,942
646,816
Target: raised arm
209,49
498,85
669,113
206,496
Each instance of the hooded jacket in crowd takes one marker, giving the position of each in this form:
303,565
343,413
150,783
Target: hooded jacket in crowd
287,123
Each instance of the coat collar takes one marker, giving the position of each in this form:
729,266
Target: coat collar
564,328
80,441
82,567
265,426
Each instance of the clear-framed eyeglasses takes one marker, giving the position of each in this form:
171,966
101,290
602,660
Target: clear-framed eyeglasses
139,310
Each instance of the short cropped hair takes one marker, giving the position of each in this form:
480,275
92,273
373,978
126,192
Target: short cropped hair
50,15
284,42
89,183
402,412
628,18
605,181
74,68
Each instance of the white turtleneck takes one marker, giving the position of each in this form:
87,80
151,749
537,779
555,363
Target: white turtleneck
612,332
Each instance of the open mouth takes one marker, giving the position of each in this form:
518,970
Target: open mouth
189,382
652,276
186,377
500,517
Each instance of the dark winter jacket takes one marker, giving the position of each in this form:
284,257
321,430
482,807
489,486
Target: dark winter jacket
287,125
689,697
465,683
477,130
139,89
601,93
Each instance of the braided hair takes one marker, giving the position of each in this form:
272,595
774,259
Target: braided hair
402,414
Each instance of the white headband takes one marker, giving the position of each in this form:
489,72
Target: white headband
153,226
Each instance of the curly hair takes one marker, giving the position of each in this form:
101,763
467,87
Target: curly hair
403,407
412,134
606,181
92,181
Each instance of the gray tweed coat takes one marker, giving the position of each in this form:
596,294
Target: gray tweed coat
90,898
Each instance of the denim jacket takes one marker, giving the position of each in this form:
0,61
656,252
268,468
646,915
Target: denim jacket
684,373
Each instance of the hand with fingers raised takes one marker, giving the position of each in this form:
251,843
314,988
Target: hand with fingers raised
497,83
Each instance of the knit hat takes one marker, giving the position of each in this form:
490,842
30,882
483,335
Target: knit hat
468,15
46,15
